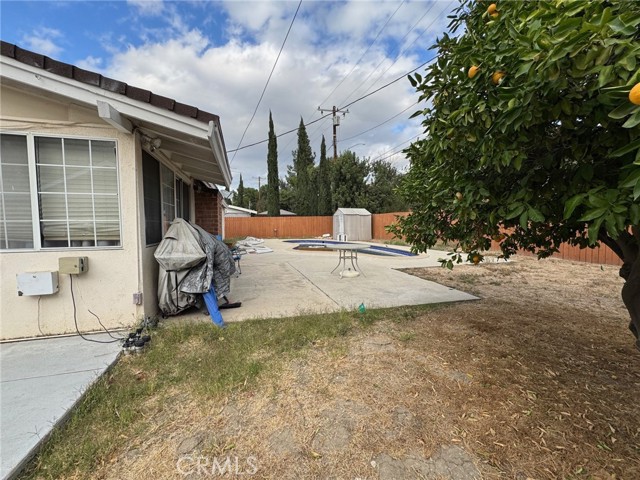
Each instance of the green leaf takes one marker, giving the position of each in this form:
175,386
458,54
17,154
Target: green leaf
524,219
634,214
412,81
632,121
524,68
571,205
593,231
636,191
592,214
535,215
517,210
605,76
627,108
631,179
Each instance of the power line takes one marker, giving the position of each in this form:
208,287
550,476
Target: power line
280,135
384,59
380,124
381,157
410,45
390,83
365,52
267,84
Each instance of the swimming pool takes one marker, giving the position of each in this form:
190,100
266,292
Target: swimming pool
321,244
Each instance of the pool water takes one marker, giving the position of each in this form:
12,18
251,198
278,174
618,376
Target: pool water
322,245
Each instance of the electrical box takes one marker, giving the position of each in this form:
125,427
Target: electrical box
73,265
37,283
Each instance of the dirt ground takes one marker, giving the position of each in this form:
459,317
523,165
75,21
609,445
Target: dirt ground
537,380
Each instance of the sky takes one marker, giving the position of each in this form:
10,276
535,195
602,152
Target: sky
218,56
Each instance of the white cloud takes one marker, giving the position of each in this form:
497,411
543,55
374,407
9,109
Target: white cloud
148,7
324,45
43,40
91,63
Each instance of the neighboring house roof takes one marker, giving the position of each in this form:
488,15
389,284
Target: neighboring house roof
187,136
353,211
283,213
240,209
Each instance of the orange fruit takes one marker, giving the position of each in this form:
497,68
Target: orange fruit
473,71
497,77
459,196
634,94
475,259
492,8
495,14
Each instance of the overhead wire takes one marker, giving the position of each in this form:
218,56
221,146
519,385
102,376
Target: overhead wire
408,46
385,59
354,67
267,83
389,155
380,124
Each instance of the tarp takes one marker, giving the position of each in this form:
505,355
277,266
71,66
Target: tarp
191,261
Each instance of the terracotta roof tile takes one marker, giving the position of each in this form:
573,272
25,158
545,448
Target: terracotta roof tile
92,78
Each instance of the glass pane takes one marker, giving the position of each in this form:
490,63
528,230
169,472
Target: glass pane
13,149
185,202
108,230
76,152
151,183
19,234
51,179
80,207
54,231
103,153
53,206
82,231
105,180
15,178
107,207
179,198
49,150
78,180
17,206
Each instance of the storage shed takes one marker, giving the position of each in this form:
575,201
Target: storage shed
355,223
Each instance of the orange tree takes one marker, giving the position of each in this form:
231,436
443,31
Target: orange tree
531,131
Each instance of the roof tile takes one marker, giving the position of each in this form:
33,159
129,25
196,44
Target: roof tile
85,76
186,110
29,58
8,49
162,102
112,85
59,68
136,93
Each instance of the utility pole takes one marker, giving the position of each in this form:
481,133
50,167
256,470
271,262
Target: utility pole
336,123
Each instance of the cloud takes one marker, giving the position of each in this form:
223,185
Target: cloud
226,76
43,40
147,7
91,63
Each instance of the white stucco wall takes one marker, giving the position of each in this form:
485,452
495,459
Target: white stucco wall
115,274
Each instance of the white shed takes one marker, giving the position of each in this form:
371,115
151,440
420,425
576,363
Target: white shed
355,223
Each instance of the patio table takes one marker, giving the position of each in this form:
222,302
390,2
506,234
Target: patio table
348,250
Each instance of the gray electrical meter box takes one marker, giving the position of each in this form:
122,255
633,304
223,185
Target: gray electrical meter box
73,265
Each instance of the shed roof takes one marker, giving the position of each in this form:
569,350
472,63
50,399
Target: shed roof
353,211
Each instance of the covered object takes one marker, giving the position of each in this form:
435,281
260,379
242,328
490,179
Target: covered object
191,261
355,223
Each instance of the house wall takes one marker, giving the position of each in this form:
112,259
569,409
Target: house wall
114,273
208,210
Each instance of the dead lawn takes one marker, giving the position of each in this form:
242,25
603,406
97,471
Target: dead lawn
537,380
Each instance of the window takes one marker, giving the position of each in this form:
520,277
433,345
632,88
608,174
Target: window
166,197
76,192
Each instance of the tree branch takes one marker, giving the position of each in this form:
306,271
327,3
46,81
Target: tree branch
612,244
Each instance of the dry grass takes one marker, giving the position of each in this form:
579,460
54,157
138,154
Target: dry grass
538,380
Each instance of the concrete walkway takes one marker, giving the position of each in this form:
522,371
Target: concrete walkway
40,381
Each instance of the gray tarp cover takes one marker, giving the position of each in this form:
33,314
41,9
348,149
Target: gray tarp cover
190,258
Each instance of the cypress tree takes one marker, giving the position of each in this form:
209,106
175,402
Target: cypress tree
273,182
302,164
241,199
324,182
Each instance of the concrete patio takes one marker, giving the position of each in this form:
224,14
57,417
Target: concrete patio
290,282
42,379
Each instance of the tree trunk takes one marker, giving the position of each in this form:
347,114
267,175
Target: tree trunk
629,245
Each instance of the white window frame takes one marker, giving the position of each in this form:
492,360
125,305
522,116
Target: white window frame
33,186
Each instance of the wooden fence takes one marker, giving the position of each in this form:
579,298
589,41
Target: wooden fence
309,227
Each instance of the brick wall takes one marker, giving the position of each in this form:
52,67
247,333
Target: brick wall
208,210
